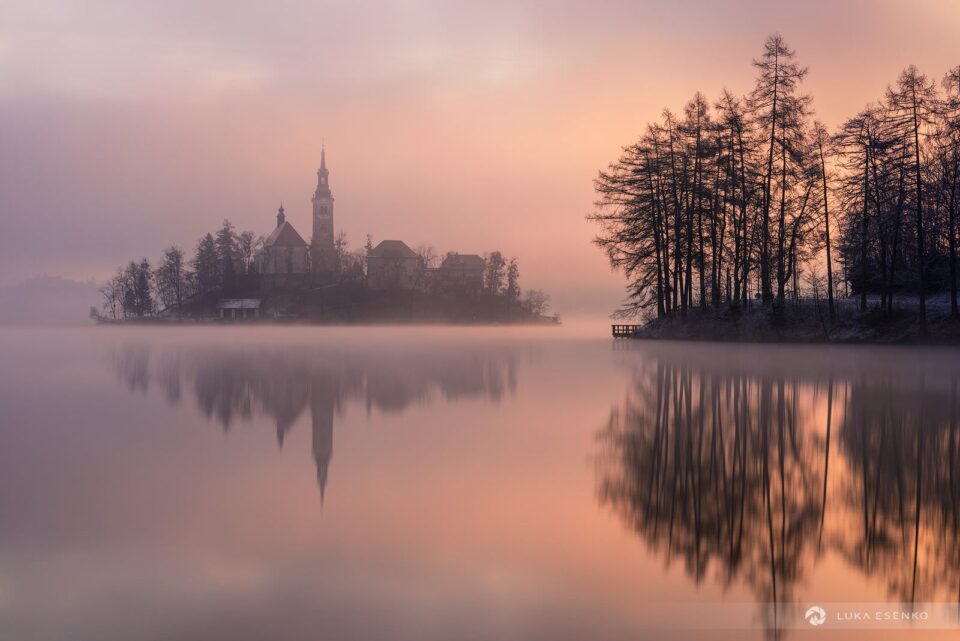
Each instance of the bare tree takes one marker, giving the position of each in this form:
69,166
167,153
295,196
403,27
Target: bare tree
780,111
494,272
138,280
340,246
206,264
821,140
112,292
427,255
911,103
513,278
948,157
227,252
247,243
170,279
536,302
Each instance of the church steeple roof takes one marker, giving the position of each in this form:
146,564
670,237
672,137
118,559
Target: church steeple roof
323,176
284,235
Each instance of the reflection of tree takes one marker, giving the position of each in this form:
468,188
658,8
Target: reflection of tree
728,468
901,444
711,470
132,366
233,386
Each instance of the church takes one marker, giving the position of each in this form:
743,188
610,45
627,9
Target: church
286,252
285,257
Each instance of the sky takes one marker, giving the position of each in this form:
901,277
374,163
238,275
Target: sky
127,126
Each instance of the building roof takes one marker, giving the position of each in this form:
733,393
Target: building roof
392,249
238,303
463,261
284,236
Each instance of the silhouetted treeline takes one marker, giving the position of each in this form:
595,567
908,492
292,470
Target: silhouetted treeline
750,198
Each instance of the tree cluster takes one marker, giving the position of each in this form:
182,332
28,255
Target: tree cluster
898,189
140,290
737,200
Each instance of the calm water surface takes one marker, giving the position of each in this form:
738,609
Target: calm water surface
452,483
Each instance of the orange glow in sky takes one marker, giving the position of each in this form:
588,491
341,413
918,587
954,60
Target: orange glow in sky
468,126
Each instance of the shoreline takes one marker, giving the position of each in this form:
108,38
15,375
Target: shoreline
299,322
808,326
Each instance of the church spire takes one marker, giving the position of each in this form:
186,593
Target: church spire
323,175
281,217
322,251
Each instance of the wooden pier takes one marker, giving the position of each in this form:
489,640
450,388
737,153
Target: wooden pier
626,331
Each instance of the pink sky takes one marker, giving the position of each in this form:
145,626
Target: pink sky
129,126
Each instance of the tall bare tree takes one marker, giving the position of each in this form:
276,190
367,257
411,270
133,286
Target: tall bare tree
778,110
821,140
170,279
911,104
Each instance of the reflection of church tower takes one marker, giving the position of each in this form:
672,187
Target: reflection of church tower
322,251
321,408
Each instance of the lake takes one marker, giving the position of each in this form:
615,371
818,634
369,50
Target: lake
247,483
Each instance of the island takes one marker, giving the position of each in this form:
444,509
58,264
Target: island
241,277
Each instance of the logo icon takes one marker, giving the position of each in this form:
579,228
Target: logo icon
816,615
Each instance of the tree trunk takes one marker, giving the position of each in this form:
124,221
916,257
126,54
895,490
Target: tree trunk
698,191
863,230
745,250
654,196
826,221
898,224
921,268
782,227
677,265
765,221
952,232
881,230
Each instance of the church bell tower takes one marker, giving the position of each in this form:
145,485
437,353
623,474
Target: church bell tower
322,251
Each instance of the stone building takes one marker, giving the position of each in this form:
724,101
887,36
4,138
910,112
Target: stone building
460,273
393,265
284,251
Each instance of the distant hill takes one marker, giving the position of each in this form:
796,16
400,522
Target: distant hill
47,300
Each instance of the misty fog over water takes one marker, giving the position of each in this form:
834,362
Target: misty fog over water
437,483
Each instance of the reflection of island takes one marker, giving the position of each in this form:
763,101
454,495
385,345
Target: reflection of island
237,385
749,473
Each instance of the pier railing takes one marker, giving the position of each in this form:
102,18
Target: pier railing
626,331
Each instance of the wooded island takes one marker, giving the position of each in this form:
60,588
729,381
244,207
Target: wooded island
280,277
